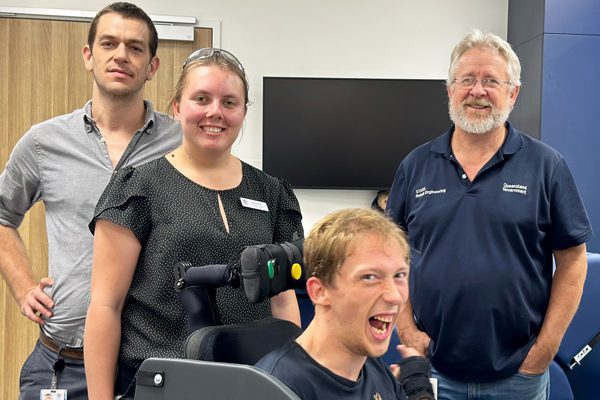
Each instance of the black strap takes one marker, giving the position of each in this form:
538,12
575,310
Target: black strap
415,365
57,368
417,385
414,377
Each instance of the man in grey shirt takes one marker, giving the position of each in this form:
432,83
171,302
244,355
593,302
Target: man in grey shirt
66,162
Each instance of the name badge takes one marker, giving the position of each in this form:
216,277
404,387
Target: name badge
53,394
255,204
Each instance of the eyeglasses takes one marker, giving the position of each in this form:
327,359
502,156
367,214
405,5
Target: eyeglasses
488,83
209,52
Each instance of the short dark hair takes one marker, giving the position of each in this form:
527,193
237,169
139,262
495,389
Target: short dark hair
126,10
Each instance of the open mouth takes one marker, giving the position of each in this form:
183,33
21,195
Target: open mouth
478,105
381,325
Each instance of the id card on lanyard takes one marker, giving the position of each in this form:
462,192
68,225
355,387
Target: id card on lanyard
54,393
49,394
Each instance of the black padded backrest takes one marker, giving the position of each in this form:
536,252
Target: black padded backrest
240,343
194,380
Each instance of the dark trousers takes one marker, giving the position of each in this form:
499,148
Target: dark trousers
37,371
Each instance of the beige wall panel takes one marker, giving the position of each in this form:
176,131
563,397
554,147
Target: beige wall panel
4,293
172,55
42,75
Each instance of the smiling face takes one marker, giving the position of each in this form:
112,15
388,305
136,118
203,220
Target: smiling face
479,110
368,291
120,56
211,109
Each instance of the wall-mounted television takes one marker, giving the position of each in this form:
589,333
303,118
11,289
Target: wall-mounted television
340,133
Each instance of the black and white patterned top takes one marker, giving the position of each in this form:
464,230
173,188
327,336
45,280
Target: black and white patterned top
177,220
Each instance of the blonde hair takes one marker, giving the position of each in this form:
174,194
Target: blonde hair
216,58
329,242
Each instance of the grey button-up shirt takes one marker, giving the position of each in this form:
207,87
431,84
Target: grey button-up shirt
64,162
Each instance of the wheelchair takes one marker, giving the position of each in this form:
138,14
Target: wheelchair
220,358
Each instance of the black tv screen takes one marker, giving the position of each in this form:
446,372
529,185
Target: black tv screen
339,133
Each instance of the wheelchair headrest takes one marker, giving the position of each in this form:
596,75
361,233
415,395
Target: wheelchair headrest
240,343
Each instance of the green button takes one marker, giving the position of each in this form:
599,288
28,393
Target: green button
271,268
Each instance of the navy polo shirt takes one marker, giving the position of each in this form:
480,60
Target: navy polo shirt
482,250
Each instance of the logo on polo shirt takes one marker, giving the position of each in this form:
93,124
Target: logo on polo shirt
427,192
521,189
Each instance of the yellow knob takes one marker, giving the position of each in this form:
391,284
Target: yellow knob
296,271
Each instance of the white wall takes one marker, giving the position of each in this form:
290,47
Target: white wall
326,38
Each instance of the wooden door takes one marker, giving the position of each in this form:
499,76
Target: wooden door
42,75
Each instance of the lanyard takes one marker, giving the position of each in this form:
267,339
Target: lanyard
57,368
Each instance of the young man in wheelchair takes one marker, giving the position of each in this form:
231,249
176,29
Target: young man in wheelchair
358,264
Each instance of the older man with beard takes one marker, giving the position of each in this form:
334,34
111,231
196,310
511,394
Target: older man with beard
486,209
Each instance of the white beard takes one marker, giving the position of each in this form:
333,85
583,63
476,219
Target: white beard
478,126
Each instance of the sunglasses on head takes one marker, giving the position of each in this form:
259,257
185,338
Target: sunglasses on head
209,52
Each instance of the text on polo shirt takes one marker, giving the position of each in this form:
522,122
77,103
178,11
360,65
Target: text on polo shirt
423,191
514,188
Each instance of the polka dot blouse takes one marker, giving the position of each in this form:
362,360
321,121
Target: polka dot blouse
177,220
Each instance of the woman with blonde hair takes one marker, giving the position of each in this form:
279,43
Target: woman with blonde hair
199,203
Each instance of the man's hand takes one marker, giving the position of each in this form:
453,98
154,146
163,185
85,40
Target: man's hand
416,340
35,303
537,361
405,352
